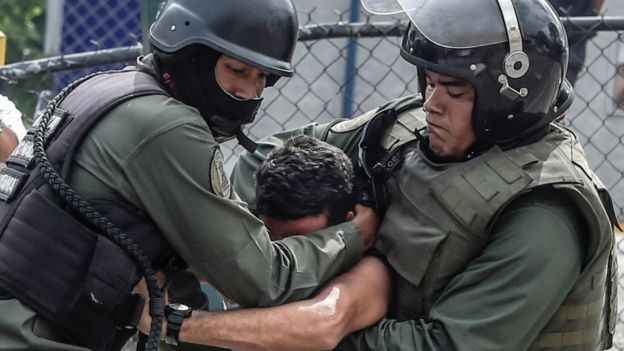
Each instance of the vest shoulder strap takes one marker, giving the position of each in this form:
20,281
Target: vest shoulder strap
71,120
386,131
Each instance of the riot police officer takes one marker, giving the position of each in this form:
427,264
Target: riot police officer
127,178
499,234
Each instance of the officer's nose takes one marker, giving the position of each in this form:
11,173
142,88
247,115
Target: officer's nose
248,89
432,103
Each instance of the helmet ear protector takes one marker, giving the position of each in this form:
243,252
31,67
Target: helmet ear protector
516,61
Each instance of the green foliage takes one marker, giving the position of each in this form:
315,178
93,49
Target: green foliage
23,23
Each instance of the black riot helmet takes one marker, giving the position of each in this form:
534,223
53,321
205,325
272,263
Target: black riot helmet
513,52
189,36
262,34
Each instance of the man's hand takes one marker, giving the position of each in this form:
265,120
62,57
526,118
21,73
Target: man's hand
368,220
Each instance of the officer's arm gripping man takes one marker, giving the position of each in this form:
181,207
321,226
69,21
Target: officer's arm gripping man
351,301
166,167
503,298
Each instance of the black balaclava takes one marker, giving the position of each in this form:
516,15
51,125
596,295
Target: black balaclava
190,76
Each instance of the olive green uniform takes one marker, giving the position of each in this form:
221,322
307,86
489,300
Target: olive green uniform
490,254
160,156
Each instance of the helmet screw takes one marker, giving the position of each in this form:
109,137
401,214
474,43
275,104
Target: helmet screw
555,109
473,67
510,117
173,27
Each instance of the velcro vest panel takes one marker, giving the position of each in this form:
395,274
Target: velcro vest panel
454,207
83,279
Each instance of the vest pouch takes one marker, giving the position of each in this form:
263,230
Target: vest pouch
72,276
45,271
112,275
105,305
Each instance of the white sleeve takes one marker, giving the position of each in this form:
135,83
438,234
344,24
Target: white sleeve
12,117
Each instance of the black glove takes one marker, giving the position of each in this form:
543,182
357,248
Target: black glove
183,287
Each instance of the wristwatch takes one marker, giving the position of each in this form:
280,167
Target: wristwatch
175,313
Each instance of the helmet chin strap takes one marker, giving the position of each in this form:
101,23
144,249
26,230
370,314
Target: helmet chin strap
242,139
245,142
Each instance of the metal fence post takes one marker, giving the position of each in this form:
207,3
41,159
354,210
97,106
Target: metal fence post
350,68
2,49
149,9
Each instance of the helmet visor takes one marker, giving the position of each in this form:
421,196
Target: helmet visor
451,23
382,7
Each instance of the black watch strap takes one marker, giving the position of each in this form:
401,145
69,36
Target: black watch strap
176,314
174,324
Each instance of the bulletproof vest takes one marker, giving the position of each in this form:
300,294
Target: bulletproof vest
83,279
455,205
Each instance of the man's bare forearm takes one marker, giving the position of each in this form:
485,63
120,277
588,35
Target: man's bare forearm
350,302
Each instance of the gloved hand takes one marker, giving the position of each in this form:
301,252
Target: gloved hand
183,287
364,190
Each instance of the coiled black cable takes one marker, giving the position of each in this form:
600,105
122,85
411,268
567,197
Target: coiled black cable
99,221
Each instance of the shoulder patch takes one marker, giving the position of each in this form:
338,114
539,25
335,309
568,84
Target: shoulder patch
218,180
353,123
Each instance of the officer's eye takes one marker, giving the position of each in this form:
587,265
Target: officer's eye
235,70
455,95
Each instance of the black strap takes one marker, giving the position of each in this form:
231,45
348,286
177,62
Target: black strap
368,155
128,312
4,295
245,142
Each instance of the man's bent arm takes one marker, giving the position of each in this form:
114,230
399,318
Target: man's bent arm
349,302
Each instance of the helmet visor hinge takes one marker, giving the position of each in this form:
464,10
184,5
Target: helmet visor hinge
508,91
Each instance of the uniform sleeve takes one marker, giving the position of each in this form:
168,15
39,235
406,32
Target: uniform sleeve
505,296
173,175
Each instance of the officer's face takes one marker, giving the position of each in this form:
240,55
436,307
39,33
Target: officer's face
240,79
282,228
449,102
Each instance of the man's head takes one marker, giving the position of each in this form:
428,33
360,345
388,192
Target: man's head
304,186
514,56
206,49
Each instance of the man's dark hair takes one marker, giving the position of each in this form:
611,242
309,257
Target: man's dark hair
305,177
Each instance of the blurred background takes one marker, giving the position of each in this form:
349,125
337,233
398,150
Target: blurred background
347,63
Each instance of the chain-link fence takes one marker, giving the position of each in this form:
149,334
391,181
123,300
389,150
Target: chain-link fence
344,69
105,24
